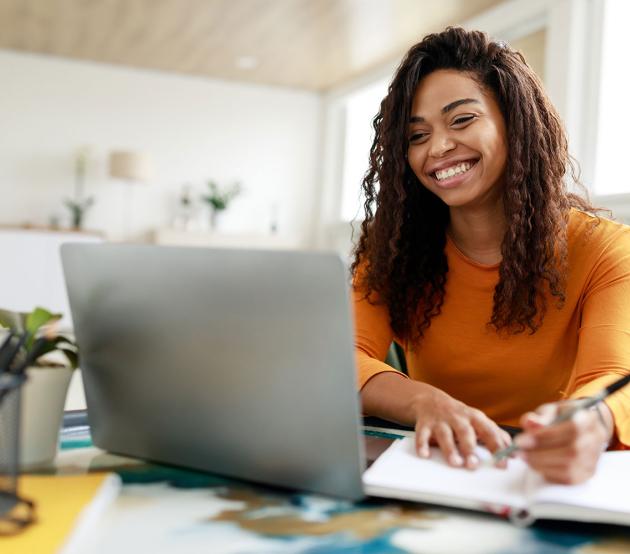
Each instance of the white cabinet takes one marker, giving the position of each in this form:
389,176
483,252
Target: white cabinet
175,237
31,273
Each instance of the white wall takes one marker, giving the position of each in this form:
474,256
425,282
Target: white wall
194,129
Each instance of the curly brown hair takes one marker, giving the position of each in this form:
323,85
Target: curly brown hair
400,259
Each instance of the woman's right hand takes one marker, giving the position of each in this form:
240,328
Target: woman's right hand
454,427
437,417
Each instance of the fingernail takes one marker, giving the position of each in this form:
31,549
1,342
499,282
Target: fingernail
455,460
472,461
525,441
424,452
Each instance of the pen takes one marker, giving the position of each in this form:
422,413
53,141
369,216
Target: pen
9,351
580,404
4,351
31,356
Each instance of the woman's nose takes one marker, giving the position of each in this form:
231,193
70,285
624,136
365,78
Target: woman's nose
441,143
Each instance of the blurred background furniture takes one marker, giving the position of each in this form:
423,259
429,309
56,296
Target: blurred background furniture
32,276
31,268
176,237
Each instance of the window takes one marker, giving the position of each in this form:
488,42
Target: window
614,112
360,109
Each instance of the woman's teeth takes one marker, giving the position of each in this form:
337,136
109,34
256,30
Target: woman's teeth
442,174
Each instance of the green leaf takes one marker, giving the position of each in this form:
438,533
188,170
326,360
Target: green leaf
39,317
72,355
32,324
12,320
62,344
220,198
50,346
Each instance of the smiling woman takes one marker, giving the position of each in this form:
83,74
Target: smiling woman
506,290
458,150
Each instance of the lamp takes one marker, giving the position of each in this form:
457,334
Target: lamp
131,167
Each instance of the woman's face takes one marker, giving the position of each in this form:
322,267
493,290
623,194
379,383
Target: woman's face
457,140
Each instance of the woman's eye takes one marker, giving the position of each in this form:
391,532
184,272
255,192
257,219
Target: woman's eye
461,120
417,137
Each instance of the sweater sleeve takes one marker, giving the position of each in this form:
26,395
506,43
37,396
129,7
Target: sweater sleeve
604,336
373,337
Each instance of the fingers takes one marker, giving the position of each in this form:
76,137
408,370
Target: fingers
457,440
564,452
542,417
550,437
563,477
423,434
453,426
559,434
467,442
505,440
569,464
492,436
445,439
446,442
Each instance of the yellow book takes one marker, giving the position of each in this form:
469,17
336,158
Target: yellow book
66,508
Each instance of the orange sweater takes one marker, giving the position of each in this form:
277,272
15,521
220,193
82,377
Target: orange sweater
577,351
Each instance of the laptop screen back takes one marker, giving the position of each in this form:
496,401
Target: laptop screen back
229,361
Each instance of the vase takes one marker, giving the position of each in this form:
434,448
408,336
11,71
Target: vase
41,412
76,220
215,219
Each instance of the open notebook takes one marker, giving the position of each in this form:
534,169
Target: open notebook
516,492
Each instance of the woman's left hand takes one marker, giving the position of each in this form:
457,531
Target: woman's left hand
565,452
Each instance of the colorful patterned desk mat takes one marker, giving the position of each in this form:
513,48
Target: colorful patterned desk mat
226,515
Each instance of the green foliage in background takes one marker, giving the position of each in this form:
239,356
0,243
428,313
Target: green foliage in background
40,324
219,198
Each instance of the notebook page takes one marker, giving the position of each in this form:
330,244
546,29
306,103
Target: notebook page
608,489
401,469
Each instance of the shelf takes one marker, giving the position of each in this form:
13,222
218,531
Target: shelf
176,237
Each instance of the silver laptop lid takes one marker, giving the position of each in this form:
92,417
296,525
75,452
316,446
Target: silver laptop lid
230,361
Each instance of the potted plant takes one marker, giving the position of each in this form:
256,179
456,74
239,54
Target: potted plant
219,199
79,204
52,357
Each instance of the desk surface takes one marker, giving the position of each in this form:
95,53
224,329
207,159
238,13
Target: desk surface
164,509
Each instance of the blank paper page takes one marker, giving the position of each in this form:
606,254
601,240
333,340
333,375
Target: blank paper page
400,468
608,489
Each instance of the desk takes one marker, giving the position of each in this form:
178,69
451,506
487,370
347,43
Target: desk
163,510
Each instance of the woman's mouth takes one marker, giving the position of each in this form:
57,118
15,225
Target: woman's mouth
458,169
453,174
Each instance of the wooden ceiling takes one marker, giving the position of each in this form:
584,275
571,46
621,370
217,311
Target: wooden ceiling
310,44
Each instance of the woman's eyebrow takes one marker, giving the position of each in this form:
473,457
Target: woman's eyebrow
445,109
454,105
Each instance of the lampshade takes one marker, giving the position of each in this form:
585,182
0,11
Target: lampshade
129,166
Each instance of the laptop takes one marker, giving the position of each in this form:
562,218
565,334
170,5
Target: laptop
228,361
